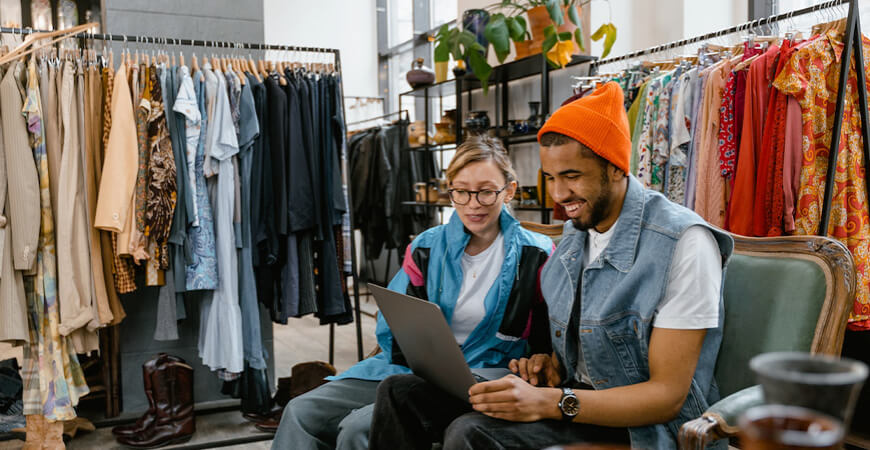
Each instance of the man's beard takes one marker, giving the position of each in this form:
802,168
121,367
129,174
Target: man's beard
598,207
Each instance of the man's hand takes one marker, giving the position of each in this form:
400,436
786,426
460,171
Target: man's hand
539,369
511,398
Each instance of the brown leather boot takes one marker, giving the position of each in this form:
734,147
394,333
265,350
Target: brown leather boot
145,421
53,436
172,387
35,429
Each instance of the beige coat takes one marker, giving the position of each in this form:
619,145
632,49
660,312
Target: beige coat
13,303
121,163
74,286
23,211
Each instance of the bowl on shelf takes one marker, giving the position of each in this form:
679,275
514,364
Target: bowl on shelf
477,122
444,133
417,133
518,127
529,196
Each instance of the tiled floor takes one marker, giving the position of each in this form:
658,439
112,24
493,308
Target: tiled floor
300,340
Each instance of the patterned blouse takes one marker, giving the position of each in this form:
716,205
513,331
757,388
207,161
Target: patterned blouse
811,76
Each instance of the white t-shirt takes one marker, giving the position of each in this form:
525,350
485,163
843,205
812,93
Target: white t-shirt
479,272
691,300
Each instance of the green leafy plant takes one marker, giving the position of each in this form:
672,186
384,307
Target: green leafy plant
512,26
507,24
462,45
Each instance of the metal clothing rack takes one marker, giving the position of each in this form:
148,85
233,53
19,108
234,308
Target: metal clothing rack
716,34
233,46
384,116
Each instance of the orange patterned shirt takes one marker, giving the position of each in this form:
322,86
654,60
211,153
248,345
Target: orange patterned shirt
812,77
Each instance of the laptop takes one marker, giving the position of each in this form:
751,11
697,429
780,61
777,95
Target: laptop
428,343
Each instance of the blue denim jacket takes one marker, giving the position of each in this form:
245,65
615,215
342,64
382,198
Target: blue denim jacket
621,291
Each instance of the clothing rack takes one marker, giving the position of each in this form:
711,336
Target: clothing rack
384,116
156,40
751,25
228,45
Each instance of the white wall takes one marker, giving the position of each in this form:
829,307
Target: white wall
349,25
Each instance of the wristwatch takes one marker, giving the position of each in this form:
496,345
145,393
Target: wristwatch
569,404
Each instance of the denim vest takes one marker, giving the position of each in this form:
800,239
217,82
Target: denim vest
620,293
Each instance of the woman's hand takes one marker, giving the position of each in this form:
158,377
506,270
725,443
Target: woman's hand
538,370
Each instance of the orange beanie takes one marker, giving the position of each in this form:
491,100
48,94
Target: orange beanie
597,121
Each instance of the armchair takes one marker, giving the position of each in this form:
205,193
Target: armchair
781,294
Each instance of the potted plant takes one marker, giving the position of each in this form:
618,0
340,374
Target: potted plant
547,23
548,26
462,45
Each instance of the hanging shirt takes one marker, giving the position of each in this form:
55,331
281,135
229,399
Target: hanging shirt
742,205
811,76
479,272
221,336
792,160
709,185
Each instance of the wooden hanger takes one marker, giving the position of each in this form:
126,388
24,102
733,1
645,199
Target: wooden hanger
180,58
26,47
252,69
745,64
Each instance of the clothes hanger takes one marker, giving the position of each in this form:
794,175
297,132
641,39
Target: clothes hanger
240,67
27,47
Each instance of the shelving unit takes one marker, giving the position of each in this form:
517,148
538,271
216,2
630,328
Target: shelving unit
499,81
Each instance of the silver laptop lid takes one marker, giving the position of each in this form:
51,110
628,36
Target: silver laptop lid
426,340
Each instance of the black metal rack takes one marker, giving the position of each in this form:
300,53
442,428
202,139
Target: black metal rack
499,81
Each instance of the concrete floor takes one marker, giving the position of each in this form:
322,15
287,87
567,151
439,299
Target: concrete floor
299,341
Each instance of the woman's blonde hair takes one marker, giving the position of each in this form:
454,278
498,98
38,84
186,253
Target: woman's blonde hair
481,148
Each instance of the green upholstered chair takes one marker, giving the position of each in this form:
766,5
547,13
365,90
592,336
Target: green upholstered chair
781,294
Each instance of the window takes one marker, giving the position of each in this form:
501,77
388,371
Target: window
399,66
443,11
400,20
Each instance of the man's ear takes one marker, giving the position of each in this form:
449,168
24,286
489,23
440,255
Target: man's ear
615,173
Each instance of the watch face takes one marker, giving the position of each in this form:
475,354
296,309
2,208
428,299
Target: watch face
570,405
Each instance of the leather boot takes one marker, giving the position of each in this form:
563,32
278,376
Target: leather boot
53,436
172,387
35,429
145,421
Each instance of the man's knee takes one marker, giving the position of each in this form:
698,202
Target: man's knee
466,432
397,386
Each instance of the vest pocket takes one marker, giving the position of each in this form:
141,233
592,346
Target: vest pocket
626,338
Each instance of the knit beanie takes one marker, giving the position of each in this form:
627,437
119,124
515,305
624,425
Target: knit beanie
597,121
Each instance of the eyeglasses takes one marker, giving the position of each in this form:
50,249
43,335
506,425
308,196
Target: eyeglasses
485,197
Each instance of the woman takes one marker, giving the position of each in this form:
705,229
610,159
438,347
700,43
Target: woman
481,269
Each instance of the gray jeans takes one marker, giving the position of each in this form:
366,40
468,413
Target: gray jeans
336,415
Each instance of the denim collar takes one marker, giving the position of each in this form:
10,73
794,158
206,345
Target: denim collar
623,245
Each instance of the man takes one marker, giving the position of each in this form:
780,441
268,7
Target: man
634,298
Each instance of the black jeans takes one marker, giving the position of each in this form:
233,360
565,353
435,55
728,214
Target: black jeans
410,413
